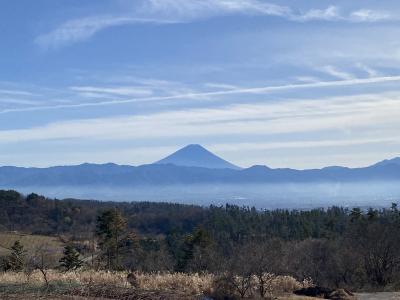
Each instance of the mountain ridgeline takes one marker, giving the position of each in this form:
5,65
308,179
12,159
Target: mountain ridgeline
157,174
190,165
195,175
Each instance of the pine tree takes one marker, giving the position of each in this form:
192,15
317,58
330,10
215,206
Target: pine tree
111,229
355,214
70,260
16,260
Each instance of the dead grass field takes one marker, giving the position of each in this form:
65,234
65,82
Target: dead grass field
114,285
294,297
193,284
30,242
379,296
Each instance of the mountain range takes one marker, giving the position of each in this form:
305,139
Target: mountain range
192,164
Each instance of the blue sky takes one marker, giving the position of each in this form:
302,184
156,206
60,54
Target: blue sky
298,84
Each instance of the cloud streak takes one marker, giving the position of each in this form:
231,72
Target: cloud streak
191,10
15,92
216,94
82,29
331,70
360,113
339,124
368,15
185,11
327,143
120,91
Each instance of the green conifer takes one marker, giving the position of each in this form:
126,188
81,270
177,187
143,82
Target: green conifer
16,260
70,260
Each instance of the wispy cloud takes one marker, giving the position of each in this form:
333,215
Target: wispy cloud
214,94
322,143
15,92
370,71
190,10
194,9
120,91
20,101
380,112
331,70
368,15
82,29
221,86
333,13
307,79
183,11
329,14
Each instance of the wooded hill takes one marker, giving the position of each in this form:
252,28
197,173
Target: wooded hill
336,247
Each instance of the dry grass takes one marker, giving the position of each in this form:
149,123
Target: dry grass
295,297
178,283
194,284
30,242
285,284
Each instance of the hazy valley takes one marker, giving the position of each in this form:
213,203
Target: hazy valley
195,175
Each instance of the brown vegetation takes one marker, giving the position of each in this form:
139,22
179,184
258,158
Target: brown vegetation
187,285
220,251
30,242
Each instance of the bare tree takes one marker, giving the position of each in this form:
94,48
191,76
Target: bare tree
44,258
238,271
265,261
378,246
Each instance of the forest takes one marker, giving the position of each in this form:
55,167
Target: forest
350,248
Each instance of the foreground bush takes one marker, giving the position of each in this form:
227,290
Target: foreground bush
193,284
265,286
176,283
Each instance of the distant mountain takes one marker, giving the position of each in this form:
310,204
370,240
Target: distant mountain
169,174
393,161
196,156
188,166
194,175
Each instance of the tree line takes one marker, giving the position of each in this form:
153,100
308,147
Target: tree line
335,247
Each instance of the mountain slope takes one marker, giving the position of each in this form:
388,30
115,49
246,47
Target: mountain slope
196,156
393,161
169,174
189,166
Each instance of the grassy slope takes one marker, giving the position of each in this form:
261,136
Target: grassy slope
30,242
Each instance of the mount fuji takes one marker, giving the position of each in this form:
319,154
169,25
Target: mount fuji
196,156
195,175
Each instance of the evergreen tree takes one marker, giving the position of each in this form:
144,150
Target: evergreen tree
70,260
16,260
198,242
356,214
111,230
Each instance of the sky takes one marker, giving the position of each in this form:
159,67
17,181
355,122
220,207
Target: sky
290,83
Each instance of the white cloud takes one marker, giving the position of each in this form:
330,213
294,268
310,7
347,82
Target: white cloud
190,10
182,11
223,86
368,15
214,96
15,92
304,144
359,113
329,14
370,71
82,29
121,91
19,101
194,9
331,70
307,79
